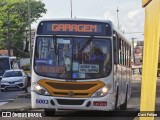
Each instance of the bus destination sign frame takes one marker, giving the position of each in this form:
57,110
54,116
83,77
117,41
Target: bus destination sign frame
74,28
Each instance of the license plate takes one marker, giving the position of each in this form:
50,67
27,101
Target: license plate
12,85
11,82
100,103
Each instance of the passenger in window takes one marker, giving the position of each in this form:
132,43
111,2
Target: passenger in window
68,64
98,55
98,58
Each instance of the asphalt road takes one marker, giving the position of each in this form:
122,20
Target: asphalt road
133,106
10,94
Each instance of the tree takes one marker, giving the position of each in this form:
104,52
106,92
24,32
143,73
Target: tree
14,21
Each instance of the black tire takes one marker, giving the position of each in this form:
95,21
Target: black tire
116,100
124,105
49,112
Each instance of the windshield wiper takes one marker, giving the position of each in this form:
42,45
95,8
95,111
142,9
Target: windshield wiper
86,44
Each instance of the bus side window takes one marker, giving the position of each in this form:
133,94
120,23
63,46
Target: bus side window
115,48
128,61
123,50
119,50
125,54
130,57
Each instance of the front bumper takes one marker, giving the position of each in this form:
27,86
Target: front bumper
64,103
15,85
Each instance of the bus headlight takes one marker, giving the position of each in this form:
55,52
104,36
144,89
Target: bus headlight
40,90
102,91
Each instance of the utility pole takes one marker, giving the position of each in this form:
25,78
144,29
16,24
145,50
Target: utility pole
117,17
71,7
133,48
133,55
8,34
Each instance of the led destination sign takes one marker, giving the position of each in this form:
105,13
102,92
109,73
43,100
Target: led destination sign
74,28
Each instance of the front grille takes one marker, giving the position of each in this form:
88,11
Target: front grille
65,86
60,93
70,102
66,93
11,82
71,89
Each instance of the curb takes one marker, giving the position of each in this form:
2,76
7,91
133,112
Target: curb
16,109
8,100
26,95
26,108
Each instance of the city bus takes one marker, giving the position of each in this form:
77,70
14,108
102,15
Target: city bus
6,63
80,64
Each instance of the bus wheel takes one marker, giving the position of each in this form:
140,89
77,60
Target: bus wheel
49,112
116,100
124,105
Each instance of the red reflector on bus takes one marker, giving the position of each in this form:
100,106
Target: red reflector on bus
99,103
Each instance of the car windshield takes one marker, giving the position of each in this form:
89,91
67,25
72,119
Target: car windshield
73,57
12,74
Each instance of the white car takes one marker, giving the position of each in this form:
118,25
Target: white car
15,78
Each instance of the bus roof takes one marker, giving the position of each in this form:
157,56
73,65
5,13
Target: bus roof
121,34
77,19
10,57
90,20
3,56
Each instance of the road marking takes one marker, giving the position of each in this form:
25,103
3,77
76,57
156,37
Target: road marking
2,103
7,100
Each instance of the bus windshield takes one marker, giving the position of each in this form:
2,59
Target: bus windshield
73,57
4,65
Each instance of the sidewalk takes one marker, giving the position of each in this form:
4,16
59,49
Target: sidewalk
139,77
21,103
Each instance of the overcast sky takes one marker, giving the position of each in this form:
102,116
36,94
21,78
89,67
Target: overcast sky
131,14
